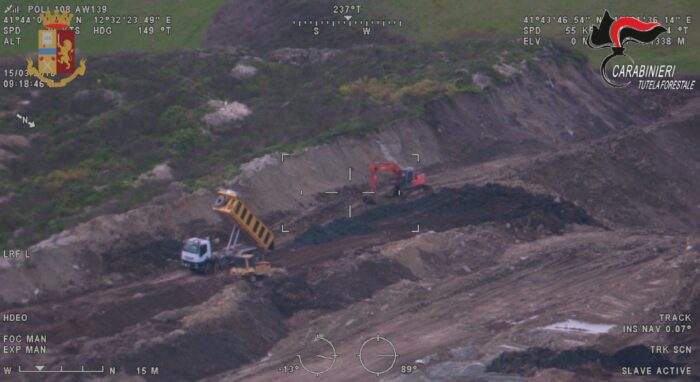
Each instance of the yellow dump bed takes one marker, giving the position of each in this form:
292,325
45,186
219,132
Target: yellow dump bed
230,204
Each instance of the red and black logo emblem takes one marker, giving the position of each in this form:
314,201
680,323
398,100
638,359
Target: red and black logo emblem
616,33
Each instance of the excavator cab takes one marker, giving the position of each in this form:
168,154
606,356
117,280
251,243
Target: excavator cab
407,176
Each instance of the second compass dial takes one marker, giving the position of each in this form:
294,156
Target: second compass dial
377,355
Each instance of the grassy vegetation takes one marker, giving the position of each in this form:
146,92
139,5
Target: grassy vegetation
438,21
190,20
388,92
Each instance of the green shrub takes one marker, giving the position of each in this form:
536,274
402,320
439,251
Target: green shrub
354,127
176,117
58,178
184,130
186,140
371,87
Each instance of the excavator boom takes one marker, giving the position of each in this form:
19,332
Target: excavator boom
387,166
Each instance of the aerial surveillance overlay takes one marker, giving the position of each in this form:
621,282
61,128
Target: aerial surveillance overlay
351,191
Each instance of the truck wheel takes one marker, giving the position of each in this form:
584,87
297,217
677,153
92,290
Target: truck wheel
252,278
220,201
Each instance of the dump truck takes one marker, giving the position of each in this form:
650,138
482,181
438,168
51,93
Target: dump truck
244,260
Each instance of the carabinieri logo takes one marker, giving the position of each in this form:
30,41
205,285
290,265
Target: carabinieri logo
616,33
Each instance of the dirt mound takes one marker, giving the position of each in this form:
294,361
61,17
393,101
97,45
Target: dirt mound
637,178
457,251
237,336
527,214
333,231
153,256
347,281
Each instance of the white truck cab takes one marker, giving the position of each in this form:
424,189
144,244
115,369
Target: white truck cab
197,254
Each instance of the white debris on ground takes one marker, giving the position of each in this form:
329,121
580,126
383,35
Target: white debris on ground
13,141
385,151
258,164
160,173
427,359
575,326
225,112
242,71
10,146
481,81
6,156
505,70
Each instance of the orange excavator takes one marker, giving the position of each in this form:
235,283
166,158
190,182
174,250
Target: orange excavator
406,179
